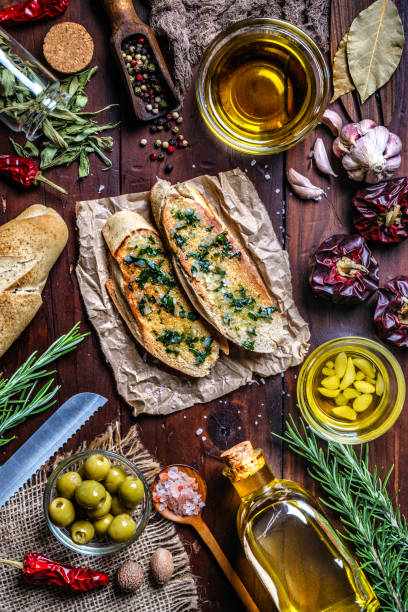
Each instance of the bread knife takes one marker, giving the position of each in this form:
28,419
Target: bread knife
48,438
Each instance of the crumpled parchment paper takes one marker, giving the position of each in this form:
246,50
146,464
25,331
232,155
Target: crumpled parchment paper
145,383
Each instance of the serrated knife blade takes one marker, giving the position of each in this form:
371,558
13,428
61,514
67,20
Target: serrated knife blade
48,438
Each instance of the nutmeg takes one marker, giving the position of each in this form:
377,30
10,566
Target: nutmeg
130,576
162,565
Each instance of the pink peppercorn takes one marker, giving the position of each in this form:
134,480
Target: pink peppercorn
140,40
170,149
133,63
154,156
139,77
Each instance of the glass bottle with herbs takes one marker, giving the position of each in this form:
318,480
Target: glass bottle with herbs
296,553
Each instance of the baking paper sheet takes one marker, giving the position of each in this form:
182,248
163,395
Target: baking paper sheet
145,383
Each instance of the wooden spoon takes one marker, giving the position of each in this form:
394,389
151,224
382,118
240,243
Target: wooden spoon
200,526
126,24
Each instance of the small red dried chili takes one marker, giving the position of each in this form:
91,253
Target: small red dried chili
32,10
41,570
344,269
381,211
391,313
23,171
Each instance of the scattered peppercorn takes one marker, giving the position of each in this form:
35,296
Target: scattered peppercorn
168,168
157,143
165,145
143,142
172,142
175,129
175,115
179,120
185,143
154,156
161,156
171,149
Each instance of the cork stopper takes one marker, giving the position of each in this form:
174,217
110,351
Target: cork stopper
242,460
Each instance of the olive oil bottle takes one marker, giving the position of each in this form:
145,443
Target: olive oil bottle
292,547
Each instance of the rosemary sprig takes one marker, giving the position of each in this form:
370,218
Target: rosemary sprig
20,396
359,496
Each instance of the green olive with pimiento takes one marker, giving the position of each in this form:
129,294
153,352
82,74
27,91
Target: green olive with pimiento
82,532
97,466
67,484
61,511
114,479
131,491
102,508
89,494
102,524
122,528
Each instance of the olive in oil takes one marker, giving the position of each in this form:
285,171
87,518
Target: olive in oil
261,86
296,553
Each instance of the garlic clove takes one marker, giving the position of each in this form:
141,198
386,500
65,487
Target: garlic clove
350,133
333,121
380,134
349,163
365,126
393,163
339,149
366,152
394,146
321,159
303,187
357,175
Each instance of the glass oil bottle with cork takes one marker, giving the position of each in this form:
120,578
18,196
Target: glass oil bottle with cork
296,553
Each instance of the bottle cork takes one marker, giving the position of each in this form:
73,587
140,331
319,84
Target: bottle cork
242,460
68,47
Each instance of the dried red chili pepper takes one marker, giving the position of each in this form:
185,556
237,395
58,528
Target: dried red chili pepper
23,171
344,269
391,313
40,570
32,10
381,211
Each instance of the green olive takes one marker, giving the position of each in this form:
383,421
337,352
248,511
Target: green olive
131,491
102,508
61,511
103,523
82,532
67,484
118,507
122,528
89,494
97,466
114,479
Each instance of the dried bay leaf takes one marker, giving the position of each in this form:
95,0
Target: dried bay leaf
342,82
374,46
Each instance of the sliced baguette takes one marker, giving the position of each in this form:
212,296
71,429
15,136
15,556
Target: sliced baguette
149,299
215,270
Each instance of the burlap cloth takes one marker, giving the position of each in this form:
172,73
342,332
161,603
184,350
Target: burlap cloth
190,25
23,529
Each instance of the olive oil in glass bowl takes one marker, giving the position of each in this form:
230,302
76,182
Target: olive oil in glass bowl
373,421
262,85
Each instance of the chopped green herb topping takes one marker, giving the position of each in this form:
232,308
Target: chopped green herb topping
248,345
201,356
142,305
149,251
181,240
170,336
153,274
192,316
263,313
189,216
167,302
151,240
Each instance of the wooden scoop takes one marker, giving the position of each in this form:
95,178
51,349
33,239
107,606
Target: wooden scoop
126,24
200,526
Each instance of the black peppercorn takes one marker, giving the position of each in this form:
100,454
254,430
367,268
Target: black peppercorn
172,142
168,168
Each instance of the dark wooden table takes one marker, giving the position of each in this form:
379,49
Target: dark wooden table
253,412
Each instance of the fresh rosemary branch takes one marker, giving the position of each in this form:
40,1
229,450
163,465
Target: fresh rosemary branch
20,396
359,496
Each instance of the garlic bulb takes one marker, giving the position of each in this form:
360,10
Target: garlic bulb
369,152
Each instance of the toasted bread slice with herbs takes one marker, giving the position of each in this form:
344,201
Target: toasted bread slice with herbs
215,270
148,297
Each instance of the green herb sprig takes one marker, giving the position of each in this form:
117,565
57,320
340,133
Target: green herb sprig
359,497
21,396
69,133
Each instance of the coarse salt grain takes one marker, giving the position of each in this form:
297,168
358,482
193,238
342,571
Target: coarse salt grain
199,431
177,491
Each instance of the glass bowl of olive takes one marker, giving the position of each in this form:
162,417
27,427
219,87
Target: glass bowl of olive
96,502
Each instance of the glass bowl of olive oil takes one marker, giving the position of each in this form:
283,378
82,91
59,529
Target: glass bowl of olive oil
351,390
262,85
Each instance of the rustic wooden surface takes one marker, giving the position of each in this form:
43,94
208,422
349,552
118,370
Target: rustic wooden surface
255,411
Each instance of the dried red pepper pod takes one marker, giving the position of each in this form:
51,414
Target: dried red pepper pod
24,171
381,211
38,569
391,313
32,10
344,269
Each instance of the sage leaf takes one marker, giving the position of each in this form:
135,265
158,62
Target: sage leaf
47,155
64,159
83,168
342,82
51,133
30,149
374,46
17,147
7,83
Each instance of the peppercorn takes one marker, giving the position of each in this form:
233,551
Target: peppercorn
180,137
168,168
167,126
175,115
170,149
172,142
185,143
169,116
153,129
149,107
157,143
161,156
175,129
155,111
179,120
165,145
143,142
154,156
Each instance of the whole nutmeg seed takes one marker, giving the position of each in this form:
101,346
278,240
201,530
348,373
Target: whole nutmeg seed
130,576
162,565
